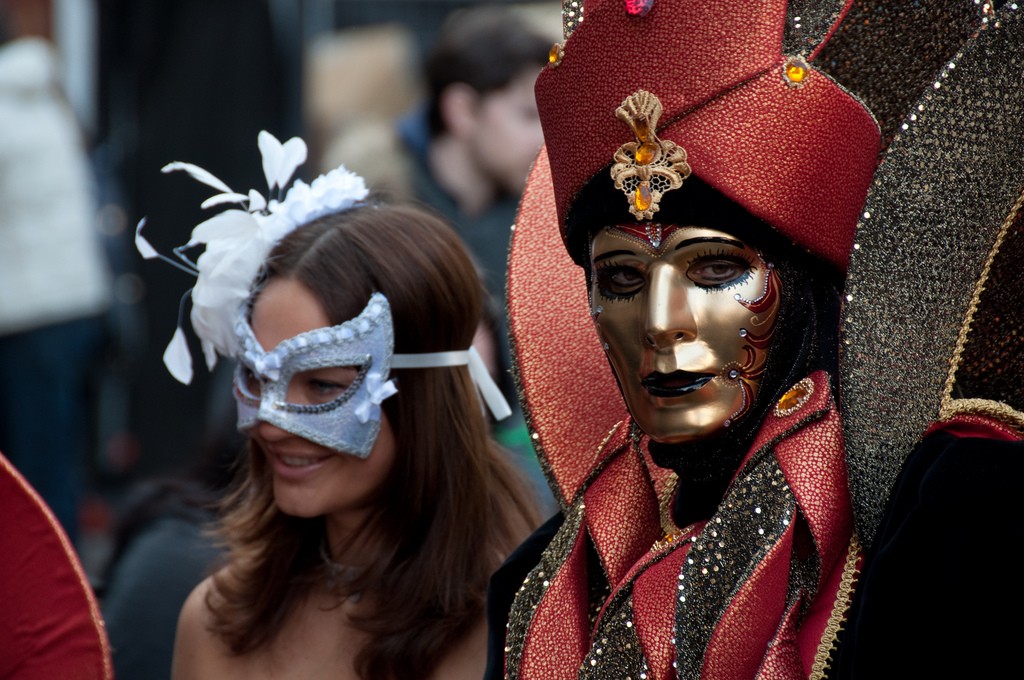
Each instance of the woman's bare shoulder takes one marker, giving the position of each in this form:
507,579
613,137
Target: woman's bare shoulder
198,651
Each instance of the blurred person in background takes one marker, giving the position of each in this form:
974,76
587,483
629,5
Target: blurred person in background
478,134
471,147
161,550
54,278
465,152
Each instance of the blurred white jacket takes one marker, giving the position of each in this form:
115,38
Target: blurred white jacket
52,268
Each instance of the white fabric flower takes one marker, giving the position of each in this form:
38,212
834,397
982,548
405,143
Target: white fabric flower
377,390
337,190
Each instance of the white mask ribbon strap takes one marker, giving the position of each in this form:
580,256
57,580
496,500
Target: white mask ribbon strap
481,377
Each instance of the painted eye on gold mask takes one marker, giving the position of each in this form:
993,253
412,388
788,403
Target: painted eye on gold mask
706,271
619,281
719,271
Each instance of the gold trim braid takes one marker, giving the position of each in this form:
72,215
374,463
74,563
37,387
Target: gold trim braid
837,620
996,410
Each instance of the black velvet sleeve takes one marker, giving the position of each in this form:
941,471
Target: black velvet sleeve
940,595
503,587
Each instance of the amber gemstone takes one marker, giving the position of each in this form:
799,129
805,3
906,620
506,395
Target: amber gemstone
642,127
555,54
646,153
642,198
793,398
795,72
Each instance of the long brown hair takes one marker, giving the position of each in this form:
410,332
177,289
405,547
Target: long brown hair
453,504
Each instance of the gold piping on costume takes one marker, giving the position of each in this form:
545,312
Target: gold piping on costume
599,466
997,410
668,525
837,619
647,168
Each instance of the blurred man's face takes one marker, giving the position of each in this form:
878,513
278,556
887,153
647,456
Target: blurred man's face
508,133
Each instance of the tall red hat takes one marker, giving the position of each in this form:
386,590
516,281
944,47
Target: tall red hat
765,128
759,123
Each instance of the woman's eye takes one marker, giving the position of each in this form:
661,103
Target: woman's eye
717,272
324,385
322,391
619,281
251,383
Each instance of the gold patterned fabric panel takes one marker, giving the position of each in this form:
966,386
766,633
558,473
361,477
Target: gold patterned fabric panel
937,207
616,650
888,51
572,15
755,514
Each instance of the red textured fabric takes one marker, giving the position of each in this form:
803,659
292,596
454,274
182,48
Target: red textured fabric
801,158
816,471
569,392
654,615
50,626
812,460
624,490
971,425
742,636
783,658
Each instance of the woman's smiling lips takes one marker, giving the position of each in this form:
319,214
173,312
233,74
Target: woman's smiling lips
675,384
296,466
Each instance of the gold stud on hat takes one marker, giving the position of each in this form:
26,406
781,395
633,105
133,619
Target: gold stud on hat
795,70
555,55
646,168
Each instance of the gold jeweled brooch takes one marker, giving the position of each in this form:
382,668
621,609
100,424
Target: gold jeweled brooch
646,168
793,400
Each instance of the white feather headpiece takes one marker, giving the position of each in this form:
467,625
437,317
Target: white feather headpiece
238,241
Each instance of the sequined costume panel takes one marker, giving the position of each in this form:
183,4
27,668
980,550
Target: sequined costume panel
948,192
709,603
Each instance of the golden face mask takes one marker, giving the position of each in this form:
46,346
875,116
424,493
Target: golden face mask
686,315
